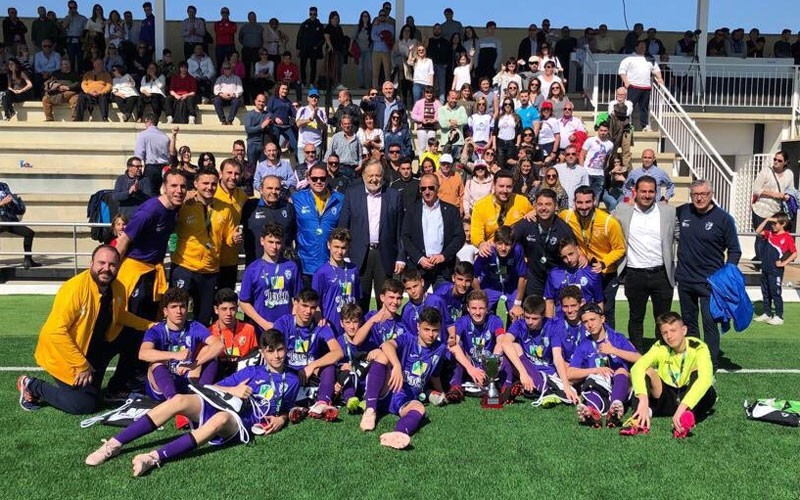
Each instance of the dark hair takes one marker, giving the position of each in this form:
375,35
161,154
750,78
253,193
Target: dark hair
504,234
411,274
464,268
307,295
591,307
206,171
567,241
570,292
175,295
104,247
668,318
351,310
391,285
781,218
272,229
533,304
503,174
547,193
645,179
341,234
174,171
205,155
131,160
431,316
229,162
478,295
225,295
584,190
271,339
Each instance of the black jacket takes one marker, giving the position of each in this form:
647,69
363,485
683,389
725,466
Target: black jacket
453,229
355,217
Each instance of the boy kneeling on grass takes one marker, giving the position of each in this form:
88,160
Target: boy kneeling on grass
413,360
674,378
270,390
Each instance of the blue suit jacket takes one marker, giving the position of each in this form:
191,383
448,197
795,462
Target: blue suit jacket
355,218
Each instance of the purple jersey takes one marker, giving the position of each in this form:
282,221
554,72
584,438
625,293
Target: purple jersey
477,340
564,335
383,331
304,344
192,336
536,344
352,353
456,306
418,362
587,356
270,287
501,274
273,393
336,287
582,277
410,315
149,230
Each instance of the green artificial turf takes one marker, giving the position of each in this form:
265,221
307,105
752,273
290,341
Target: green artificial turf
463,452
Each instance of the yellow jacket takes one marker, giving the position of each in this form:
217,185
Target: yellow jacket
65,337
485,214
229,256
199,247
605,240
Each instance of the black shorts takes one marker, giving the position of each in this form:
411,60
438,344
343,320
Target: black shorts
667,404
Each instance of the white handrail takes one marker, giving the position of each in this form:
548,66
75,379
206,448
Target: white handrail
703,160
796,104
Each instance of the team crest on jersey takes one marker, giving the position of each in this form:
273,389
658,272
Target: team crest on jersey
584,281
284,214
180,283
301,345
334,210
305,210
709,225
242,340
288,274
419,368
277,282
266,391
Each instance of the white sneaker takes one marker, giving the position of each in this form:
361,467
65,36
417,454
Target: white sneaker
169,120
762,319
775,321
647,129
191,120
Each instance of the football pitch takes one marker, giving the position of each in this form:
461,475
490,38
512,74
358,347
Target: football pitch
463,452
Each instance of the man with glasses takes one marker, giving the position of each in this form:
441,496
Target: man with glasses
202,69
530,73
394,157
128,192
433,233
309,45
570,124
274,165
373,212
529,46
337,181
302,169
45,63
74,25
571,174
318,211
61,89
346,147
228,91
312,124
387,103
225,30
708,240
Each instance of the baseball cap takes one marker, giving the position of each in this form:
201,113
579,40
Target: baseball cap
313,91
480,164
533,59
547,104
446,158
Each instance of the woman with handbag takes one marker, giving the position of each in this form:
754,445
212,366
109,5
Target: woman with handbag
12,208
769,193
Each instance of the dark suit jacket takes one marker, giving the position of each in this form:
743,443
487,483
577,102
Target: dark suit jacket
380,110
355,218
414,242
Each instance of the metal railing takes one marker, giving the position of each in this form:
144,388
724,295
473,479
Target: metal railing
691,144
795,132
743,193
74,254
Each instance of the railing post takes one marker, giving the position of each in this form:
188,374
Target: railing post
595,87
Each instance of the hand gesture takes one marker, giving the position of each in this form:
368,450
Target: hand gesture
396,379
606,348
477,375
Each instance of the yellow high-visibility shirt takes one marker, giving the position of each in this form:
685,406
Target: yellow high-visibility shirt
202,234
486,212
229,256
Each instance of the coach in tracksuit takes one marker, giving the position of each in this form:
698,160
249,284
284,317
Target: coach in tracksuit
707,232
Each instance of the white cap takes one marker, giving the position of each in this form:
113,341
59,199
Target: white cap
446,158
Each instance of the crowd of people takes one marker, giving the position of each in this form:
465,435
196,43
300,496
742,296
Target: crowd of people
503,216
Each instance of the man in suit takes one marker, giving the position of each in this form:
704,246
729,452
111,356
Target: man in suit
373,212
386,103
649,265
432,233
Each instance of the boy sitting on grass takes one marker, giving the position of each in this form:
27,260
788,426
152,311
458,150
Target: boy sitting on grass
238,338
351,370
413,360
419,298
673,379
601,365
503,274
455,293
383,324
779,251
178,350
337,281
565,332
269,388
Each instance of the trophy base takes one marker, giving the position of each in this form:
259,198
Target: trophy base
493,403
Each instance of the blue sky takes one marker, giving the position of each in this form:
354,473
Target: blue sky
674,15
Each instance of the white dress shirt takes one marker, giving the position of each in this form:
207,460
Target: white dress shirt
432,228
374,216
644,238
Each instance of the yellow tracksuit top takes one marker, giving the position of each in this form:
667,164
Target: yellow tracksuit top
605,240
64,339
201,235
229,256
676,369
485,213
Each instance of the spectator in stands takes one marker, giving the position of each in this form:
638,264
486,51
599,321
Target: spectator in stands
426,116
736,46
450,26
181,160
337,181
632,38
11,210
228,91
153,92
96,87
386,103
346,107
782,48
650,169
73,25
133,30
796,49
451,185
489,53
362,41
546,55
546,35
571,174
46,62
506,78
654,46
114,31
263,71
686,46
346,146
302,168
564,48
604,44
130,190
112,58
405,182
14,30
276,41
181,106
707,242
152,147
547,78
251,38
193,31
270,207
548,132
43,29
283,122
382,36
139,61
202,69
369,136
289,73
124,93
238,153
529,46
335,49
311,122
147,30
61,88
558,98
225,32
549,180
717,45
620,96
770,189
310,40
637,73
452,120
594,157
258,127
20,88
570,125
440,52
275,166
423,68
755,43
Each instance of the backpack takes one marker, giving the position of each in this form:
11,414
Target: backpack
775,411
101,209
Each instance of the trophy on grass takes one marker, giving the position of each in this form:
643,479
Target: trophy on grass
491,395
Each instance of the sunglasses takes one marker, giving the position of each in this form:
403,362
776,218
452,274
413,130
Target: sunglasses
394,151
779,160
317,179
527,134
373,94
551,176
310,152
570,154
567,109
422,189
488,153
333,163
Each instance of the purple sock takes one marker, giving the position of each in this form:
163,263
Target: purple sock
176,448
458,376
208,374
595,400
375,380
136,430
506,374
409,423
327,379
348,392
534,373
620,387
164,381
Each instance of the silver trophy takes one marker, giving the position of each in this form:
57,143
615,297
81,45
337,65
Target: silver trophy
491,395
